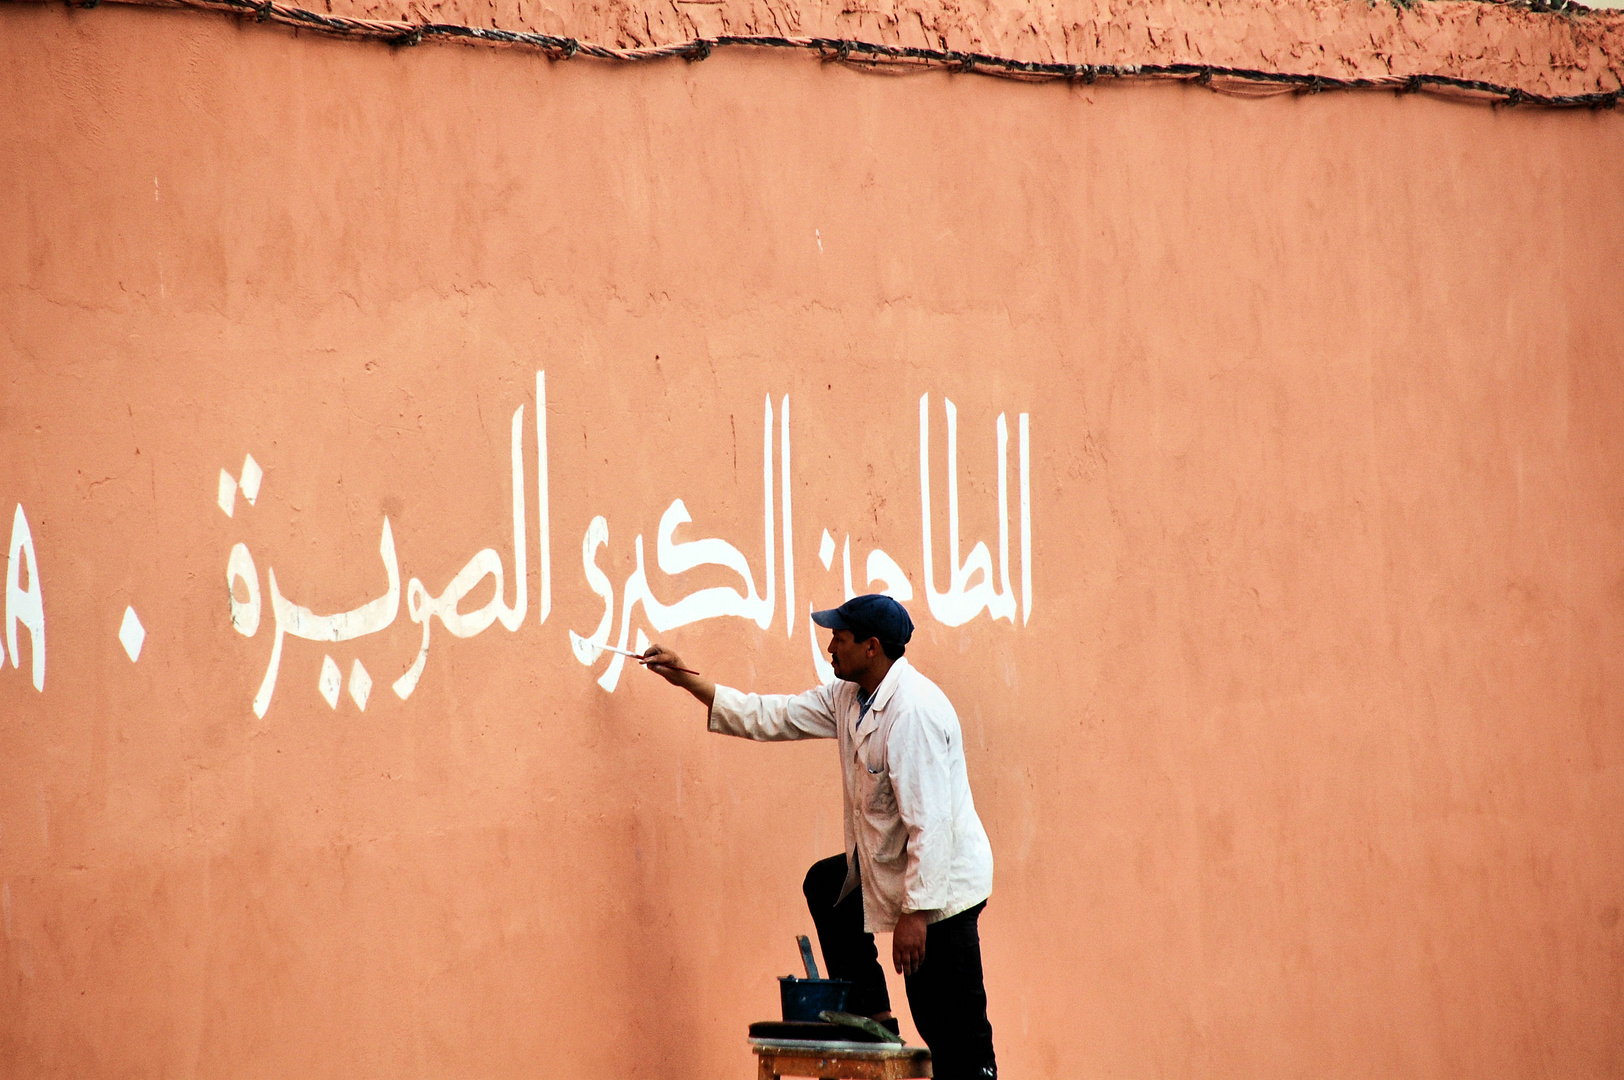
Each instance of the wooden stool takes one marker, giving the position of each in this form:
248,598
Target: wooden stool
839,1060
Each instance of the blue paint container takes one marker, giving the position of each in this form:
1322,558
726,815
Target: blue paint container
804,999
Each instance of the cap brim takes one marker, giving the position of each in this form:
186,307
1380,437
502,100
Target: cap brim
830,619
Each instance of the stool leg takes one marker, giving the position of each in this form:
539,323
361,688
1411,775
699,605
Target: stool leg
764,1070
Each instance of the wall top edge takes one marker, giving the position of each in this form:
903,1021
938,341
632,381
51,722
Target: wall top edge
1541,49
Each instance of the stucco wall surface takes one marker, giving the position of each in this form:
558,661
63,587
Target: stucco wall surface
1539,51
1296,719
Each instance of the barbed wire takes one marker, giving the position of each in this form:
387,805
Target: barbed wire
873,55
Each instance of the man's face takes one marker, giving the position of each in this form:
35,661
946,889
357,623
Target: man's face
850,658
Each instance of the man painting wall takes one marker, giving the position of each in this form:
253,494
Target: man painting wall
917,861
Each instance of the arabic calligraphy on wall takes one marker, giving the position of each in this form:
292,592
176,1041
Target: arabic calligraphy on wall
25,603
971,590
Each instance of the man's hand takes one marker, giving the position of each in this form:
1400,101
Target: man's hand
667,664
908,943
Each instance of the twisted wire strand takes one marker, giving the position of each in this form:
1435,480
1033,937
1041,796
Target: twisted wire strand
870,55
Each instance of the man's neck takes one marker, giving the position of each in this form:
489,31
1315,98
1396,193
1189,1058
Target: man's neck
875,675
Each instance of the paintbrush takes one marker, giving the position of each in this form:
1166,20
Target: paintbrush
640,658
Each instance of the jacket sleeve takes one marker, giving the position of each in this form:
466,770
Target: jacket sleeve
918,754
774,717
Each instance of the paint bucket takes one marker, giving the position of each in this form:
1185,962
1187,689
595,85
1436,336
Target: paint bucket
804,999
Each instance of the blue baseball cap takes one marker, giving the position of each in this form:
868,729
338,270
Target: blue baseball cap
872,615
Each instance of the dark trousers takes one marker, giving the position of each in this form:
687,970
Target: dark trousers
946,995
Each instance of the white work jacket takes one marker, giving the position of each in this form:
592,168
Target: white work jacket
911,824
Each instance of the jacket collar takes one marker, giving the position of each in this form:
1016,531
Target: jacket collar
888,685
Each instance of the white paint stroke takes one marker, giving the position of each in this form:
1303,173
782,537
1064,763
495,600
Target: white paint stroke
677,557
764,619
25,607
244,613
586,648
512,615
301,622
789,545
330,682
360,685
227,497
1001,427
961,601
423,607
131,634
251,476
544,536
674,557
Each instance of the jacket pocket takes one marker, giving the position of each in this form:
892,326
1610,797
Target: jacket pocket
881,799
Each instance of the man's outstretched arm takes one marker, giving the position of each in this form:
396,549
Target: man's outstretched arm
763,717
668,665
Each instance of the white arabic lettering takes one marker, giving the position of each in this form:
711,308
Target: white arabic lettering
962,601
544,533
301,622
424,607
244,613
25,605
675,557
971,589
376,615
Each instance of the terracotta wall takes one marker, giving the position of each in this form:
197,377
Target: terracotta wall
1574,50
1301,755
